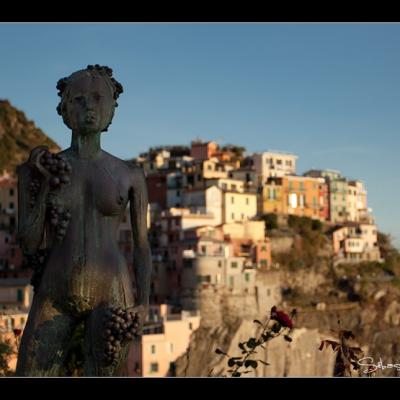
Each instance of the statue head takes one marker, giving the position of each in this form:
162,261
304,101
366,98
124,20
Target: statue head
88,99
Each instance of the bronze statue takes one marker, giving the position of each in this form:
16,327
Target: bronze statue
70,207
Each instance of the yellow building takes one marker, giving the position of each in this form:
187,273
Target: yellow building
234,185
226,206
238,206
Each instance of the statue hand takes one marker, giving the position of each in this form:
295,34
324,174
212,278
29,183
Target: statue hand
34,160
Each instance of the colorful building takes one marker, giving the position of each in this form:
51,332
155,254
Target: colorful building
8,202
166,337
294,195
200,150
274,164
356,242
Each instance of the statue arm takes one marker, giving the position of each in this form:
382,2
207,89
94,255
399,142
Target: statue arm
141,253
31,221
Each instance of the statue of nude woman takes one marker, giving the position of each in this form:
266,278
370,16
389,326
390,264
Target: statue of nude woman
71,205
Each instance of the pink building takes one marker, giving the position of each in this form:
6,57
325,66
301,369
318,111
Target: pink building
10,254
8,202
165,338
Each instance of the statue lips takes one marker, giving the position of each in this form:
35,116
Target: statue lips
90,118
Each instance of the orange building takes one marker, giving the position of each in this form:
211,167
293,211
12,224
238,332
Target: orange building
294,195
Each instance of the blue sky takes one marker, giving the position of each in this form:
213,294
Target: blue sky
327,92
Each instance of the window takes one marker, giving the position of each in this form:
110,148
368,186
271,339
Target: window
268,292
234,264
232,200
220,264
20,295
171,347
233,215
247,201
153,349
11,192
264,263
190,326
233,187
178,193
279,162
206,278
154,367
263,248
242,216
247,277
22,322
11,205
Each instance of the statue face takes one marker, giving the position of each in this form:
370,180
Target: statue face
90,104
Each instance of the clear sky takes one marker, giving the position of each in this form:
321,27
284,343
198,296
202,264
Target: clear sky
328,92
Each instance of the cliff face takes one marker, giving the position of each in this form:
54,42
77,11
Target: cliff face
18,136
300,357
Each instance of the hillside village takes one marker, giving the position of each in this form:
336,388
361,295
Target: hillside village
228,231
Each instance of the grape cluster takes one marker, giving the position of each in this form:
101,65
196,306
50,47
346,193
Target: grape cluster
58,167
59,220
34,190
121,326
37,262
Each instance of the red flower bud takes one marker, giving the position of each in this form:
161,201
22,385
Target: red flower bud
281,317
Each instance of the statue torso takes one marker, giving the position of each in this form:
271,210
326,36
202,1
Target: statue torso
87,264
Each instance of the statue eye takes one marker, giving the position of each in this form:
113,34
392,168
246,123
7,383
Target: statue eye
79,99
98,97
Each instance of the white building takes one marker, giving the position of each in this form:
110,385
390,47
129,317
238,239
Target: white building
274,164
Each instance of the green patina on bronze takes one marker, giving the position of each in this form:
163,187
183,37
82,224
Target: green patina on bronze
82,273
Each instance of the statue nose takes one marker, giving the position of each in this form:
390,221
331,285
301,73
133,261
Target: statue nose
90,104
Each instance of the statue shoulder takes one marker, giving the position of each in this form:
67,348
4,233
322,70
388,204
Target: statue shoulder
137,174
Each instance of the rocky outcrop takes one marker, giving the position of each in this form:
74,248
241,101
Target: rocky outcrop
300,357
